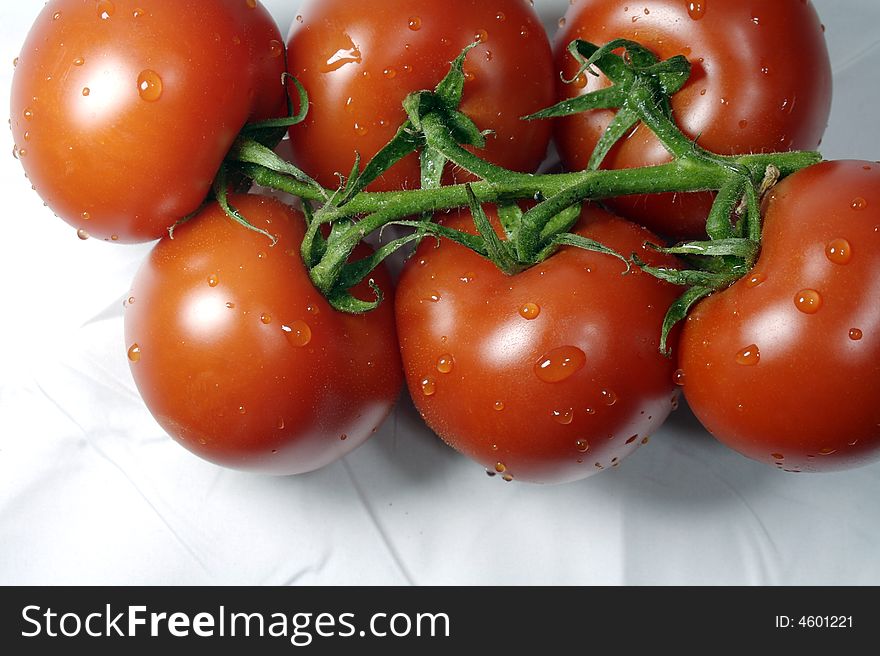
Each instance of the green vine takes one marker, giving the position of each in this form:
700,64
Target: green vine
640,90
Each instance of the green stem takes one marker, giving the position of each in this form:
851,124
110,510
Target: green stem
677,176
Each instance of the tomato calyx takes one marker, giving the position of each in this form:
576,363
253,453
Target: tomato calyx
636,76
734,229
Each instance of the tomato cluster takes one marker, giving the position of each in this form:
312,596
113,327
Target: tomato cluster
549,374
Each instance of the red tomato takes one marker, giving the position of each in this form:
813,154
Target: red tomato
784,366
760,82
122,111
547,376
359,60
241,360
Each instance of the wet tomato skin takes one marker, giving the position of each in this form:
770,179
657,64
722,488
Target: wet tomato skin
122,111
359,60
242,361
746,92
547,376
784,366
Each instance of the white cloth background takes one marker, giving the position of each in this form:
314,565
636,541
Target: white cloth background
93,492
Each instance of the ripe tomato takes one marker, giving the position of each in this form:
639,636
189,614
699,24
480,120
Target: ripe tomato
359,60
547,376
122,111
784,366
241,360
760,82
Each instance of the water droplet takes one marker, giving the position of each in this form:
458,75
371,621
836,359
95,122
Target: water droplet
490,473
765,70
56,15
756,20
524,32
445,363
859,203
137,13
632,438
79,61
434,297
702,92
470,76
507,478
213,280
298,333
343,437
749,356
481,35
827,451
390,72
299,18
149,85
86,91
743,124
429,387
530,311
839,251
134,352
564,416
855,334
777,456
360,130
230,305
582,445
560,363
114,237
499,406
646,439
266,318
261,255
313,310
343,56
15,62
276,49
105,9
609,397
242,410
808,301
500,468
252,4
280,425
415,23
755,279
500,16
678,377
82,234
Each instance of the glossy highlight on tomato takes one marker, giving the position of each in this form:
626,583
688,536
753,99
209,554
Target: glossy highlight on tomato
241,360
760,82
546,376
784,366
122,111
359,60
